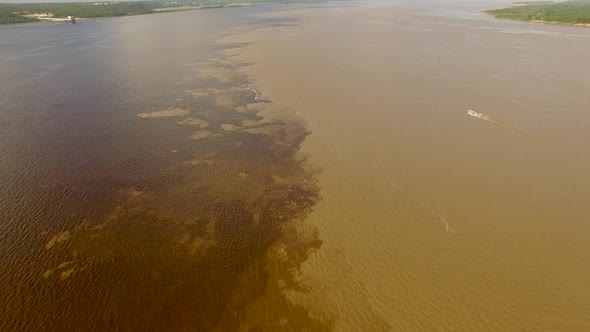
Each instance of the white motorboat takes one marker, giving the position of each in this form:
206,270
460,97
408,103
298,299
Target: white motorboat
475,114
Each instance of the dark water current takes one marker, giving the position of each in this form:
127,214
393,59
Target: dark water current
140,188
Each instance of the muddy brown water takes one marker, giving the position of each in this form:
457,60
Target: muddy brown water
432,219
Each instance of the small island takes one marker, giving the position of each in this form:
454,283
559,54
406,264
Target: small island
572,12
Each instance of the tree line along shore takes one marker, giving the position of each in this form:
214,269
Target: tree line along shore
572,12
37,12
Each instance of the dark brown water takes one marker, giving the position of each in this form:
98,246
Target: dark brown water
143,183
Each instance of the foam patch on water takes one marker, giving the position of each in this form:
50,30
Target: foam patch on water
229,127
202,134
199,92
170,112
57,239
193,121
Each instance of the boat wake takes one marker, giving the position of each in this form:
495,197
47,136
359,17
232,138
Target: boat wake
498,123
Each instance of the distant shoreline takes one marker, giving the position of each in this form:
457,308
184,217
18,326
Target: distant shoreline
55,12
584,25
569,13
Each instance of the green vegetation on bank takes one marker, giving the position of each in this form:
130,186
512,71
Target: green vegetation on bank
8,17
22,13
568,12
59,10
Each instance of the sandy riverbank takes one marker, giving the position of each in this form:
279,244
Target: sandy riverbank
560,23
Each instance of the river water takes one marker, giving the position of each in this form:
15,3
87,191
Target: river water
145,185
432,219
295,167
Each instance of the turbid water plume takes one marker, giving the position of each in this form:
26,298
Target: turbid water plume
432,221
